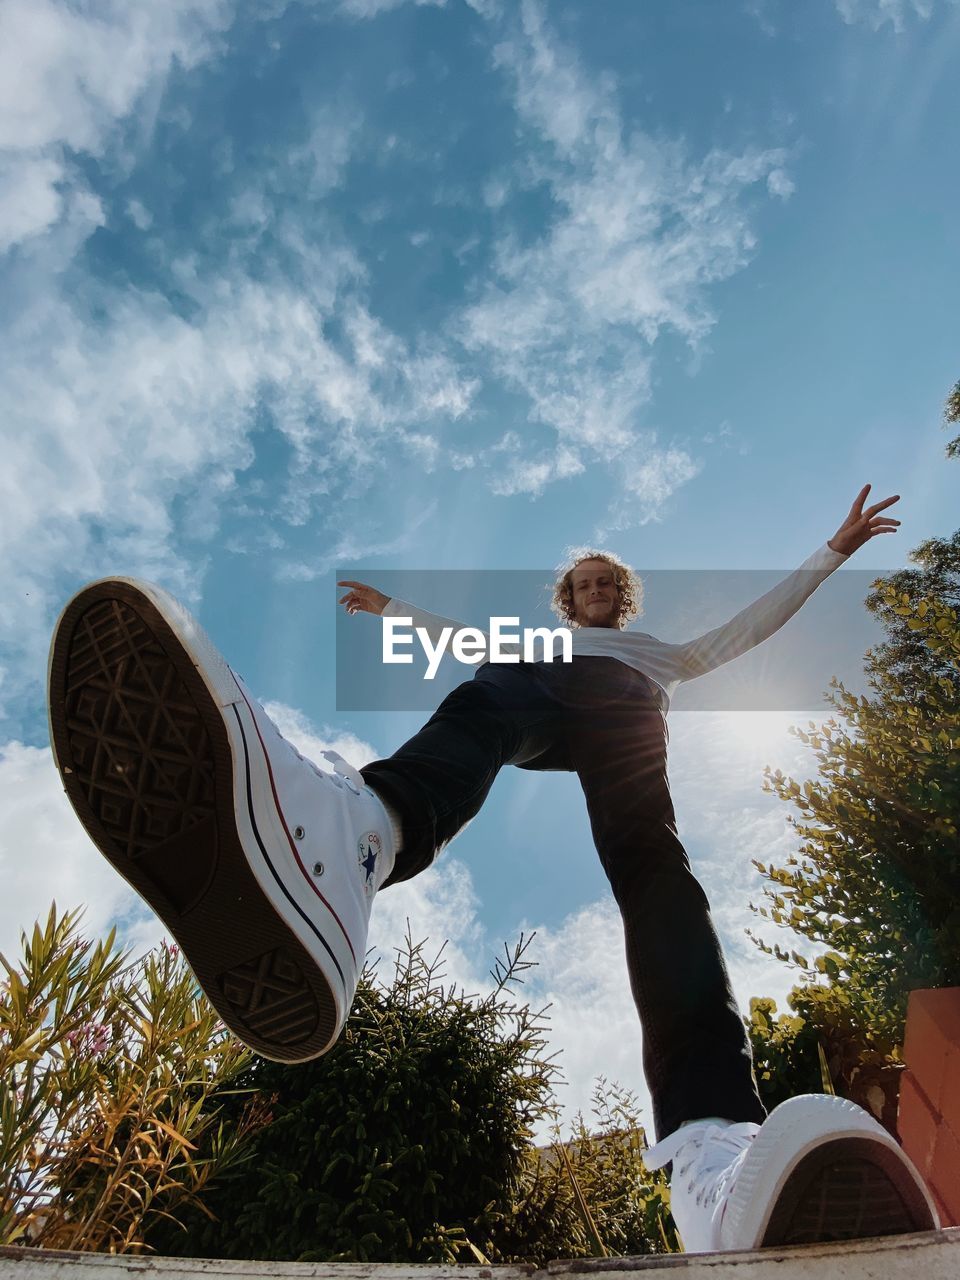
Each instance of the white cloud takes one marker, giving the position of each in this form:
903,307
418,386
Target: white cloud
333,133
439,905
45,854
351,547
780,184
759,9
489,9
872,13
30,200
115,404
532,475
716,768
593,1021
372,8
649,474
726,438
400,78
496,190
68,76
139,215
311,741
640,231
106,425
876,13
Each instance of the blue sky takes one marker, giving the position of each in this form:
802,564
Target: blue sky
305,290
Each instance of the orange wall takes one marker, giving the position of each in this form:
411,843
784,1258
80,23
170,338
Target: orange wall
928,1119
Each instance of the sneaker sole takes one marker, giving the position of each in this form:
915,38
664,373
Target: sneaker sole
148,763
849,1189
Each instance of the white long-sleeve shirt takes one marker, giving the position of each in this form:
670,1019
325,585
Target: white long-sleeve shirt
668,665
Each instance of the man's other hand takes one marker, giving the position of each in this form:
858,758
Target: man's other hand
860,526
362,598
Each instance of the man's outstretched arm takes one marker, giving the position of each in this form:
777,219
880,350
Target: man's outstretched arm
765,616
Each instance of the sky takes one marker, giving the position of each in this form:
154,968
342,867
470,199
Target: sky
300,291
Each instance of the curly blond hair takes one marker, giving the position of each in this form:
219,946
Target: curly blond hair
628,585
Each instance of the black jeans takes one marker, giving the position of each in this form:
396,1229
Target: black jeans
599,718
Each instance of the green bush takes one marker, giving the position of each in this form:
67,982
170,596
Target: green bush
822,1045
401,1142
591,1194
411,1140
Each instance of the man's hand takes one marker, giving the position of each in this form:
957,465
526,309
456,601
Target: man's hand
362,597
860,526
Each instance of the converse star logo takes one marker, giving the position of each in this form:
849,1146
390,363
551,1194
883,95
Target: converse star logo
368,851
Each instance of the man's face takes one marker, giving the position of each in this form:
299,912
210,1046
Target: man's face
596,600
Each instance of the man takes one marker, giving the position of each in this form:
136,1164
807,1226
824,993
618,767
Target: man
264,867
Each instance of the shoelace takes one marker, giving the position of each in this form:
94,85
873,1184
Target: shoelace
710,1153
344,774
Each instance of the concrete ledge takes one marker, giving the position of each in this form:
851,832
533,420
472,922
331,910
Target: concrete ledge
934,1255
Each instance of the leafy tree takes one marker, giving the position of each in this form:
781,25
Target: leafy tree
878,878
951,414
108,1070
906,653
877,881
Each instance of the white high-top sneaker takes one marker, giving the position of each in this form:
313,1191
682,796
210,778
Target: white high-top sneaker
262,866
819,1168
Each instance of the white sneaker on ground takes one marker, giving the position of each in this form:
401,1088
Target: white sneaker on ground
262,866
819,1168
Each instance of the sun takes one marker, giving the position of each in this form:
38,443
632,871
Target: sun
763,730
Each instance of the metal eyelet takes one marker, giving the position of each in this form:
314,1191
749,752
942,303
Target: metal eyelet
318,868
298,833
